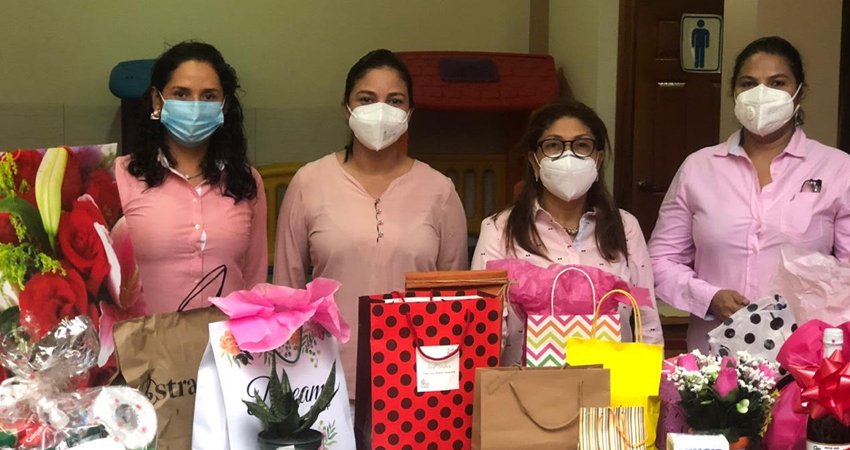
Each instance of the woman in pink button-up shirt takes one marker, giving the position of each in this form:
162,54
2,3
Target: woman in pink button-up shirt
565,214
732,206
191,200
369,214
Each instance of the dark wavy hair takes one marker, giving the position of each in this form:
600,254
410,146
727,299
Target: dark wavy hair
227,144
375,59
520,229
774,45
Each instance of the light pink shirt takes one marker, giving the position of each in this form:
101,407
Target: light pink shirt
717,229
180,233
330,223
561,249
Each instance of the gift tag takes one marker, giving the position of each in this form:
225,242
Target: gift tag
434,375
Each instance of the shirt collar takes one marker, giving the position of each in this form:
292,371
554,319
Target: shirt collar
796,146
164,161
537,209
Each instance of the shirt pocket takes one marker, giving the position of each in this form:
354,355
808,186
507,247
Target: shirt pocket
801,219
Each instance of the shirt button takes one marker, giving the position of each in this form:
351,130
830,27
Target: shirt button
197,226
381,234
378,211
194,200
380,222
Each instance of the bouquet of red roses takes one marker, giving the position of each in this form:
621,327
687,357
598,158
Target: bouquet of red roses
64,248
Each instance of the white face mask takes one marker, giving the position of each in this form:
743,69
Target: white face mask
568,177
378,125
763,110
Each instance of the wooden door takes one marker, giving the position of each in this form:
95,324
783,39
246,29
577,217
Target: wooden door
663,112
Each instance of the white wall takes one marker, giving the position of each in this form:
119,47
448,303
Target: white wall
291,55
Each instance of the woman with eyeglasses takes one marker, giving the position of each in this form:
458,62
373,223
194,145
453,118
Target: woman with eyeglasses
731,207
565,214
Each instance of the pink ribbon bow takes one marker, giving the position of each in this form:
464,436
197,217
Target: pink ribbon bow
265,317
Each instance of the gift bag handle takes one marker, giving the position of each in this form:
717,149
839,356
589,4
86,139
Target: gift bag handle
635,308
540,423
620,423
467,317
555,283
206,281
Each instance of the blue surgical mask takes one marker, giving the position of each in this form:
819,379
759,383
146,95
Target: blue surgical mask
191,123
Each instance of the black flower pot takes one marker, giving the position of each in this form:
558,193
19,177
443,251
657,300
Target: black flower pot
306,440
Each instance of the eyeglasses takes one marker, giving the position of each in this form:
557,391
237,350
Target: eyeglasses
555,148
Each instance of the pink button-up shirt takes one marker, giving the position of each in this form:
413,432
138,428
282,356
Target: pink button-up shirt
717,229
561,249
330,223
180,233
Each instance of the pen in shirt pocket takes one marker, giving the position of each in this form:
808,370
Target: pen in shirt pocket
812,185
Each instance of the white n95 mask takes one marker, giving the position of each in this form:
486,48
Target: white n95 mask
763,110
568,177
378,125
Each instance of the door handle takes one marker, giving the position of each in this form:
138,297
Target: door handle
650,188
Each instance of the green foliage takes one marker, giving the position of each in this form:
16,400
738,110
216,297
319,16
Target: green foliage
280,417
19,262
8,170
9,320
706,411
26,220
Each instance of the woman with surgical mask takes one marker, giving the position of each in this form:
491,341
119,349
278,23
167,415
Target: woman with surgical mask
732,206
191,200
565,214
367,215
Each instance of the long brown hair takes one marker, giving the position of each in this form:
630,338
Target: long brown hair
520,229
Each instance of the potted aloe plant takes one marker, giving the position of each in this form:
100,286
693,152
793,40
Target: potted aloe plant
283,426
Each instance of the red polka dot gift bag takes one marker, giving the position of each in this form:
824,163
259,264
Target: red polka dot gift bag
424,348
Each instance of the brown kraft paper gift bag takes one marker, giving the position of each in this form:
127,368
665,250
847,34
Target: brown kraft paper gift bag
160,356
519,408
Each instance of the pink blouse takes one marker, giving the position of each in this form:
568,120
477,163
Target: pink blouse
718,229
180,233
582,250
330,223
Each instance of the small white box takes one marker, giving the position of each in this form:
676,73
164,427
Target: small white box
677,441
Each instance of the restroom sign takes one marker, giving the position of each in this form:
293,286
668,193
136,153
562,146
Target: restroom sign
701,48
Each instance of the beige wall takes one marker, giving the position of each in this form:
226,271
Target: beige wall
291,55
814,27
583,39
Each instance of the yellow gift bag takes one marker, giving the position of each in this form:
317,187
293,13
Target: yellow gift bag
635,367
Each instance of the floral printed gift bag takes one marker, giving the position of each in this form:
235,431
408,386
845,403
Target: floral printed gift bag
230,373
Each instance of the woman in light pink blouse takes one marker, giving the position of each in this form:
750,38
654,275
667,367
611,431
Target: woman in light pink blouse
191,200
565,214
369,214
732,206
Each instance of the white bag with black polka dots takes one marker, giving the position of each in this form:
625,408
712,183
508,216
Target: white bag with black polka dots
760,329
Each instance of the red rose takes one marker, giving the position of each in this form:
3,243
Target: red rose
81,244
102,188
72,184
27,162
7,231
48,298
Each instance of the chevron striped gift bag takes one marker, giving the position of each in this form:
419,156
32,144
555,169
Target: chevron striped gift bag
546,335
